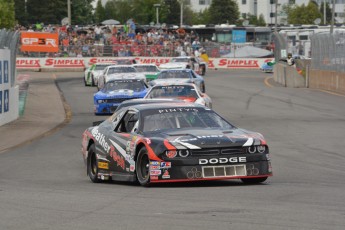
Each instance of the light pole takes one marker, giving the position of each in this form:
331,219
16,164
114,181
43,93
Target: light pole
69,11
276,17
181,12
157,11
324,12
333,12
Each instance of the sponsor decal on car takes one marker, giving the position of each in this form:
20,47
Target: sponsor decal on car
222,160
100,139
153,167
117,157
155,163
155,172
166,175
132,168
178,110
154,177
103,165
165,165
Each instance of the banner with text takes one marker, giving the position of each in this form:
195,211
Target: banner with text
82,63
39,42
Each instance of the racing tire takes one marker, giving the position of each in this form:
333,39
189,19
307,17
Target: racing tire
93,81
254,180
92,167
203,70
142,166
202,88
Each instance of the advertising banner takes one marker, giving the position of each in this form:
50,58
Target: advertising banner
39,42
82,63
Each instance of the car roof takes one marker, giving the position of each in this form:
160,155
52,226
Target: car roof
143,107
176,70
141,101
173,84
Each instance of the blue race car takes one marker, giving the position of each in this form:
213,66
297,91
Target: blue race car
267,67
115,92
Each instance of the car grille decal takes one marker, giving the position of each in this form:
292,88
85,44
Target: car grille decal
190,146
249,142
224,171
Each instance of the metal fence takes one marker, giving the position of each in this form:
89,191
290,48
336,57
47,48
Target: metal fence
213,50
10,39
328,52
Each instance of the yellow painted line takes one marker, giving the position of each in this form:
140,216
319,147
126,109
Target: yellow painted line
330,92
267,83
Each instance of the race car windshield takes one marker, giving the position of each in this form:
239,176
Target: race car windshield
180,118
175,91
173,74
136,86
152,69
121,70
180,60
101,67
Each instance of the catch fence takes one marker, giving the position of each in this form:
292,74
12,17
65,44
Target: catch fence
328,52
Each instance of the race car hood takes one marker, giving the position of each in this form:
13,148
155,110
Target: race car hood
173,65
201,138
122,93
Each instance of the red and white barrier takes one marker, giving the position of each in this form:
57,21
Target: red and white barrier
82,63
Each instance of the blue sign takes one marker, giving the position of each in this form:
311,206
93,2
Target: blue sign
0,101
239,36
6,101
5,71
0,72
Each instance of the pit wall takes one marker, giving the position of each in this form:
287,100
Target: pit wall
288,76
79,64
327,80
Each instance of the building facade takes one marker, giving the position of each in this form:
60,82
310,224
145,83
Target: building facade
268,7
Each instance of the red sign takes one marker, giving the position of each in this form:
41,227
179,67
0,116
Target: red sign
238,63
28,63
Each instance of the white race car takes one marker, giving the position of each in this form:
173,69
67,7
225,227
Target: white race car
119,72
186,62
92,73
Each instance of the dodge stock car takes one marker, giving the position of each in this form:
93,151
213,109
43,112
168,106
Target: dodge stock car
177,142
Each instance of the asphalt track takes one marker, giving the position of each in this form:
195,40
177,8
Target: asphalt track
43,185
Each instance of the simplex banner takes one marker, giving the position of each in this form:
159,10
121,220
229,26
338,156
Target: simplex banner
82,63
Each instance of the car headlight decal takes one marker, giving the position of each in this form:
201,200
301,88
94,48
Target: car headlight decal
183,153
171,153
101,101
256,149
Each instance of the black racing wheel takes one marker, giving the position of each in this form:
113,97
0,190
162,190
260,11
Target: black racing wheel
143,167
92,166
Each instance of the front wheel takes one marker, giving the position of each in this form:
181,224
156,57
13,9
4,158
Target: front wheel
202,88
143,167
253,180
92,167
203,70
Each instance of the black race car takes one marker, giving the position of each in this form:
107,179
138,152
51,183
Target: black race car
153,143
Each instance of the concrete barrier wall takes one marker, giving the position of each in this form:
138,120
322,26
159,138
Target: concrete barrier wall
327,80
288,76
9,96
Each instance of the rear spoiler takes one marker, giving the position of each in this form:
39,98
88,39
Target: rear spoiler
96,123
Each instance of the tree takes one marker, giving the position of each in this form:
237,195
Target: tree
328,13
99,14
47,12
171,12
81,11
303,14
202,17
261,20
20,12
7,19
224,11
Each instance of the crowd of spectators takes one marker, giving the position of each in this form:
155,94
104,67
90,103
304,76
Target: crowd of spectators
92,41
